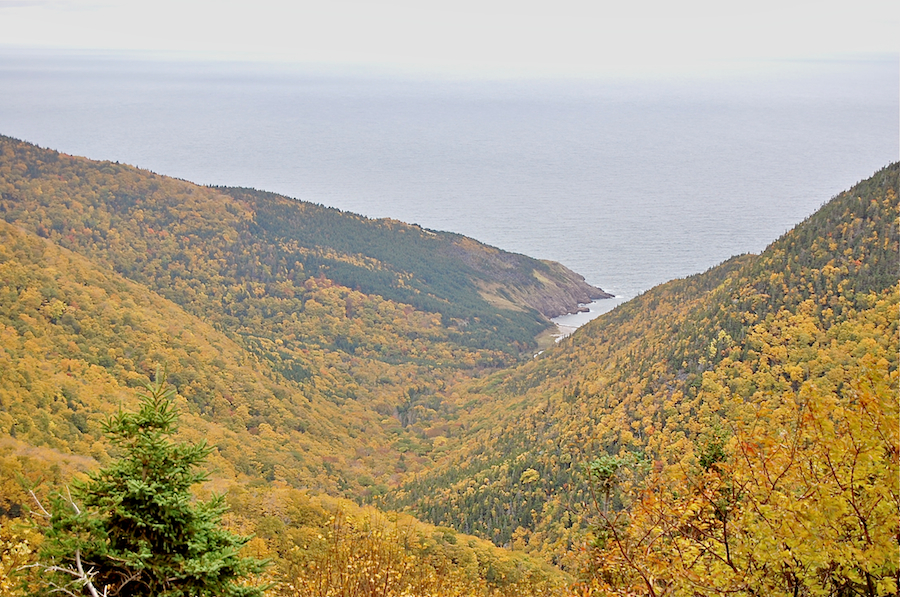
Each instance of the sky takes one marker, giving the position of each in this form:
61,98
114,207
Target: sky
483,36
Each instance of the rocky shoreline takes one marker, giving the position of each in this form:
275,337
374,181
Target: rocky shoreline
563,293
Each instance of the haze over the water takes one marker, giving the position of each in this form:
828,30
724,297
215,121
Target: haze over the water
486,37
632,141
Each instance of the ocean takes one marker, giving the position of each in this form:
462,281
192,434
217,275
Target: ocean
630,181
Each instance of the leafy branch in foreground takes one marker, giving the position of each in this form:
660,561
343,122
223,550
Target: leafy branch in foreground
802,496
138,530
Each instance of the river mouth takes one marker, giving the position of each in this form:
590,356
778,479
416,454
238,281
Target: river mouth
567,324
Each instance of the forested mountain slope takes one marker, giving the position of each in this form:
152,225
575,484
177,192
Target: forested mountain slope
359,318
204,248
298,381
77,339
440,269
674,374
734,432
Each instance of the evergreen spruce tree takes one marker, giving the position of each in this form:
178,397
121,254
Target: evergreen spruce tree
134,528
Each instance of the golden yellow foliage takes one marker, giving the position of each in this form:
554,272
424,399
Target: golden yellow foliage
18,545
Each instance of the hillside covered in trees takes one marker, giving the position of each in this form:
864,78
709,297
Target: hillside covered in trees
333,310
734,432
766,384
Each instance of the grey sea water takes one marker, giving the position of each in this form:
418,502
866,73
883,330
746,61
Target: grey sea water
629,181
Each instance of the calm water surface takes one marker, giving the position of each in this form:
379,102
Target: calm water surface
629,182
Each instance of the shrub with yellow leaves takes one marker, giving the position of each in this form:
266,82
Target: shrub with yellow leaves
17,549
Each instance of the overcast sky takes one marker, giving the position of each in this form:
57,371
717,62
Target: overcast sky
561,36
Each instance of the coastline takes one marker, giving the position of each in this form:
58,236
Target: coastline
567,324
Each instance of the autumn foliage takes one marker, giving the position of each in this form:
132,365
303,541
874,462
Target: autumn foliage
731,433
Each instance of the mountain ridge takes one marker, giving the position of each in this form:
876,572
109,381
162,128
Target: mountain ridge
632,378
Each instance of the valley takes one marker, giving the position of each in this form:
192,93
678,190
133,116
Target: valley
361,380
